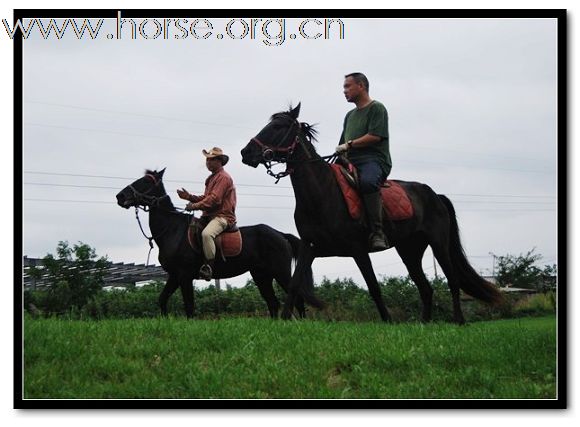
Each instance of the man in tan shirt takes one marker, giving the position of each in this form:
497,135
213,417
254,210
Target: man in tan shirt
218,204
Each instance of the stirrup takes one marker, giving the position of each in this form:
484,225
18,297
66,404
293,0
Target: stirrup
205,272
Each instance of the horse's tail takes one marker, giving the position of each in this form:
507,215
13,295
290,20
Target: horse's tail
307,291
294,243
469,281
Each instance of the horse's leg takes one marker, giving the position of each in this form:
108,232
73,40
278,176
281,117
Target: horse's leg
266,288
441,253
283,280
186,286
298,302
302,270
300,307
411,252
170,287
366,268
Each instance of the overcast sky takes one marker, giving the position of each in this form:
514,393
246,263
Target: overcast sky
472,107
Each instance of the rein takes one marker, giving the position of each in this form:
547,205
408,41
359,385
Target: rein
142,231
150,239
145,201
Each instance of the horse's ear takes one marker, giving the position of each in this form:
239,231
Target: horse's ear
296,111
161,172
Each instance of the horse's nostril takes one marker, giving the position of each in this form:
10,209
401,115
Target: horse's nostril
121,200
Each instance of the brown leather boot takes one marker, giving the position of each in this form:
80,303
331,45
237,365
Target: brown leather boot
374,211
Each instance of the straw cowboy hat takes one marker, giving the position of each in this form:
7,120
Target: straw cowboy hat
216,152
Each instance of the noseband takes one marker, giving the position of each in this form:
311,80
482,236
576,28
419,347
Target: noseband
269,151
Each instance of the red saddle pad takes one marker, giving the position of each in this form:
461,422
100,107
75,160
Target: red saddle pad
396,202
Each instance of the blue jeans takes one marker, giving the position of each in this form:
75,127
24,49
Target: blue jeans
371,176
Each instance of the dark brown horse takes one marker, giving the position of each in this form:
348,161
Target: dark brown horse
326,228
266,253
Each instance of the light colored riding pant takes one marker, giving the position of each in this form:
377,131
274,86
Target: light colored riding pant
208,235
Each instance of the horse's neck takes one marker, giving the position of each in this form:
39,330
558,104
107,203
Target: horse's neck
162,219
312,182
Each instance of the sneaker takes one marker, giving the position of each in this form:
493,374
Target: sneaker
205,272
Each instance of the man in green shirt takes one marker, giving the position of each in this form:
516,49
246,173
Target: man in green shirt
365,141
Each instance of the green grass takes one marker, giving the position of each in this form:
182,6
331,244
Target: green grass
261,358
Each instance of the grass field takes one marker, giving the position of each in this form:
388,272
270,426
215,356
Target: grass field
261,358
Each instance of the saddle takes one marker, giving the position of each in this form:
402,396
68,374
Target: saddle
228,243
396,203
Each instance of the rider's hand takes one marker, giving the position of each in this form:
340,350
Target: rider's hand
183,194
342,148
190,207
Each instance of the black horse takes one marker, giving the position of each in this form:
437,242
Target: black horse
326,228
266,253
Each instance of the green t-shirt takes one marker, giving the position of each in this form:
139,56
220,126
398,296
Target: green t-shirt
371,119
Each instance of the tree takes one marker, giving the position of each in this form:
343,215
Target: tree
522,272
73,276
549,275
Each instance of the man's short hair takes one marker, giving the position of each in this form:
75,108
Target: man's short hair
359,78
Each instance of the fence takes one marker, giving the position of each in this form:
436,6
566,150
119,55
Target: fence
117,273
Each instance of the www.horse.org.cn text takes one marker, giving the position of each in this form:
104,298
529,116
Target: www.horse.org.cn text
269,31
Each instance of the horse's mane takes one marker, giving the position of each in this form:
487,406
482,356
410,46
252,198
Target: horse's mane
308,130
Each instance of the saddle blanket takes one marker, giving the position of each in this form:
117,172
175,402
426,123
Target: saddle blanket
229,244
396,203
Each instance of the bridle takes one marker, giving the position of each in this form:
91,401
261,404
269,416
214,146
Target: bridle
269,151
143,199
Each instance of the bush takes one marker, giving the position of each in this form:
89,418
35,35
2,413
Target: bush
143,302
536,305
344,301
344,298
128,303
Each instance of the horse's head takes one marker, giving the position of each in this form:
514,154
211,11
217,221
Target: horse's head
276,141
146,191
